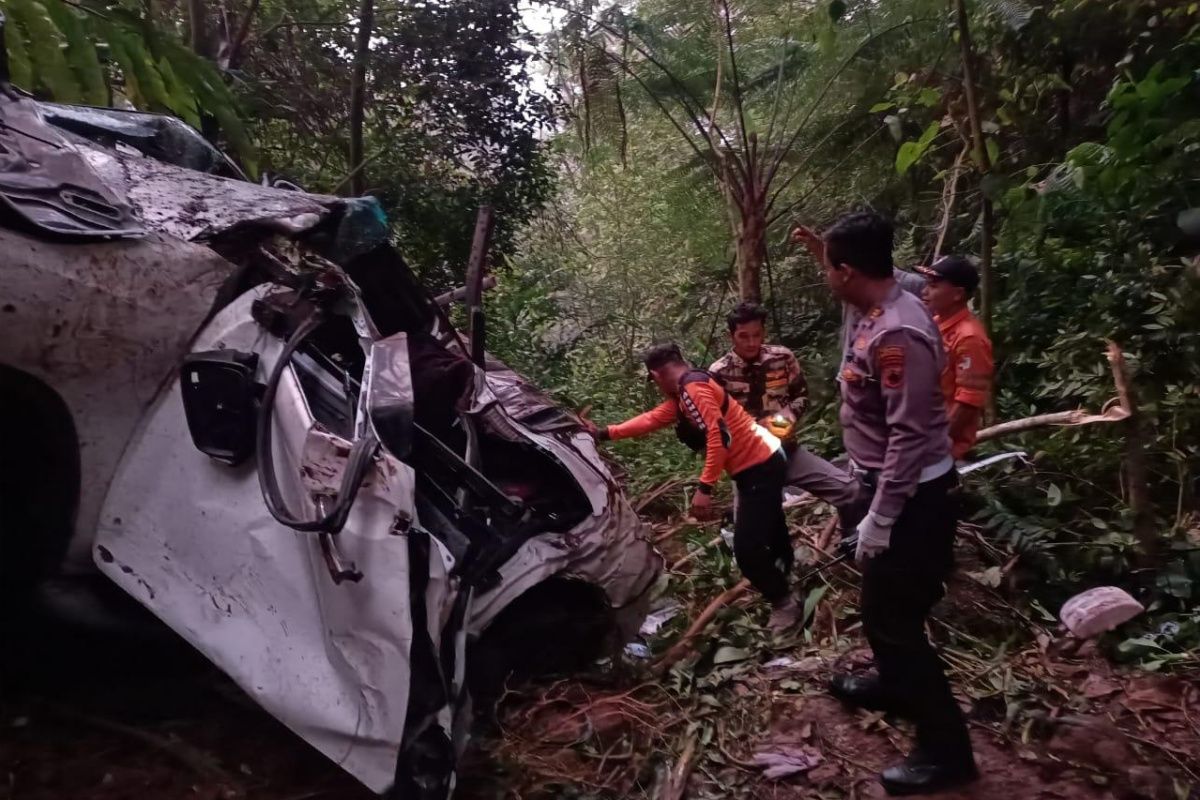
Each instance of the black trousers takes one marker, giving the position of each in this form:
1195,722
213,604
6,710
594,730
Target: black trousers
760,535
900,586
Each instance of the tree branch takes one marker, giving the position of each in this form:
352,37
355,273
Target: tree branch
358,94
778,161
239,39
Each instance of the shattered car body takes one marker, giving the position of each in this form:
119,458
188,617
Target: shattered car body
255,421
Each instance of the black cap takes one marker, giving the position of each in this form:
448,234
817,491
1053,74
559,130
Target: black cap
954,270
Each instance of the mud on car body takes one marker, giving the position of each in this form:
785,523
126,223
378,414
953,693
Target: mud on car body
237,403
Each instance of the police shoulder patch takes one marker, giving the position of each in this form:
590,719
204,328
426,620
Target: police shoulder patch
891,365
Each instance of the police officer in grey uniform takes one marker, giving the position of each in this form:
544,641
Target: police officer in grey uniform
895,430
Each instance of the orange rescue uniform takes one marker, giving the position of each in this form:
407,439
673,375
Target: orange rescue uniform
967,376
734,441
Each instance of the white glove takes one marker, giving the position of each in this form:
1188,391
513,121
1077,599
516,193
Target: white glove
874,536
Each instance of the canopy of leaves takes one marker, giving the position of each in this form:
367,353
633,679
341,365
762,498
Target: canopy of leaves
112,53
1091,118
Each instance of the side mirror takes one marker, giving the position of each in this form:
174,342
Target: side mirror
220,401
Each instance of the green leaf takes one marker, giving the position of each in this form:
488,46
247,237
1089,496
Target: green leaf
137,61
911,152
20,68
906,156
183,101
810,602
46,51
80,53
929,97
730,655
993,151
1054,495
213,97
886,106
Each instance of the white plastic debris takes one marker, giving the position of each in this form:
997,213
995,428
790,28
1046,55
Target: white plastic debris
727,537
1097,610
657,618
637,650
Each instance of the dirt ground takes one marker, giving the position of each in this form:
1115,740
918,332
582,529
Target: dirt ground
84,715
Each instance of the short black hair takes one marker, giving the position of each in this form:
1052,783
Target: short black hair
745,312
862,240
659,355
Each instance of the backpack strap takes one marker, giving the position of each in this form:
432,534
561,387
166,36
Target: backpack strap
703,376
691,427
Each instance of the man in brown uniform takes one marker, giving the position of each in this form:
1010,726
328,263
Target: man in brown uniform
894,424
767,381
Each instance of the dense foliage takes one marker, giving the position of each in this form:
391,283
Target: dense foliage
449,120
1091,119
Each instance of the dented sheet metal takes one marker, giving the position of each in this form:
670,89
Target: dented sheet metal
611,548
191,539
192,205
105,325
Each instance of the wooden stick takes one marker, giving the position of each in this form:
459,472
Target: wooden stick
681,647
685,559
454,295
655,493
677,780
1079,416
1136,473
826,534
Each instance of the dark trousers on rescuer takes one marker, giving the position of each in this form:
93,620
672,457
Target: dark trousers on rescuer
760,535
899,588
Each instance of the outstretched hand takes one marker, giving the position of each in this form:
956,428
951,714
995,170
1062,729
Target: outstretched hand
589,427
702,507
806,236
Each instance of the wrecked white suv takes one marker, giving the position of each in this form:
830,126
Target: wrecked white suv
237,402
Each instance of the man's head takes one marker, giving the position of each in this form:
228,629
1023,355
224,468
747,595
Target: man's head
747,329
666,365
950,283
858,254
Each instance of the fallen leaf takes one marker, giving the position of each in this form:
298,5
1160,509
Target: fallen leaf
1155,697
1096,686
826,773
729,655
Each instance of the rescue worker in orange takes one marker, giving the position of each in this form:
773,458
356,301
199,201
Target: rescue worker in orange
732,442
967,377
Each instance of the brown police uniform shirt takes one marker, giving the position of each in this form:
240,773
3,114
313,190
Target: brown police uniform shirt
893,414
769,384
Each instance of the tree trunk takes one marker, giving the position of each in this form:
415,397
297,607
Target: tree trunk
358,93
751,250
986,289
747,210
198,37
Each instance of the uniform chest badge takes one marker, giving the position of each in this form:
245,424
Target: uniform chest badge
850,376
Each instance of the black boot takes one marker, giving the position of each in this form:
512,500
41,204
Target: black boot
921,774
861,691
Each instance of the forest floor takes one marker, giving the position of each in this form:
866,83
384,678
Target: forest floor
88,716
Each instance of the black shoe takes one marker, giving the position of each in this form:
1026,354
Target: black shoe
861,691
920,775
